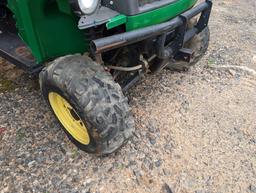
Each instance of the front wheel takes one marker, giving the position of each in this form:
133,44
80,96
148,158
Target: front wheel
88,104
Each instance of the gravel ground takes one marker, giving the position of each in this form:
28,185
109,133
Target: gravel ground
196,131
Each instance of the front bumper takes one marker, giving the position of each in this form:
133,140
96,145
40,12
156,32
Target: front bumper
165,49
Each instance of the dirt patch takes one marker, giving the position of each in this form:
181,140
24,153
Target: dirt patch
8,76
12,78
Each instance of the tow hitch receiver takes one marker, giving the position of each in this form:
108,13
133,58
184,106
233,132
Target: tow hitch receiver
184,54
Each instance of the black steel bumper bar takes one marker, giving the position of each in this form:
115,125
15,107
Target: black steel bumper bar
179,24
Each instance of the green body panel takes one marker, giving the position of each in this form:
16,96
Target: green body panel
50,28
158,15
116,21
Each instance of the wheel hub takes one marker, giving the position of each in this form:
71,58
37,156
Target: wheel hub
69,118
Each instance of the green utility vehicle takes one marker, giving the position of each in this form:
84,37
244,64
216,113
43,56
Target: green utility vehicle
88,53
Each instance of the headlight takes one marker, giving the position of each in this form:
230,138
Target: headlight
88,6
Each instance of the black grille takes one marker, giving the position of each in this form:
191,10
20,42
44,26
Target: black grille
144,2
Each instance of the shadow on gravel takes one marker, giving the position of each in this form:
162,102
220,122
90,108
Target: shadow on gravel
12,77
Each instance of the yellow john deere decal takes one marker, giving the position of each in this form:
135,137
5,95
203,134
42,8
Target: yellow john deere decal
69,118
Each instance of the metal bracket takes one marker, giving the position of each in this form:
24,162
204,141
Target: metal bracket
175,47
161,53
167,51
205,16
181,31
100,17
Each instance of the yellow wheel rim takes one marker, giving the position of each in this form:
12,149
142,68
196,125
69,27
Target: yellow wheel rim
69,118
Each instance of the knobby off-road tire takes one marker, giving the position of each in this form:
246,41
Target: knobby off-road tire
199,45
96,98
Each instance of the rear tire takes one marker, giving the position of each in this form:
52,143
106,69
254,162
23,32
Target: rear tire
95,97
